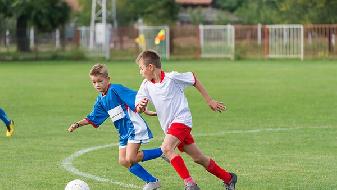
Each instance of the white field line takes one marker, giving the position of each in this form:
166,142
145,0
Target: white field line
68,165
221,133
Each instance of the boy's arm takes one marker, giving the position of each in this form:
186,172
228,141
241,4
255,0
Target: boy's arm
213,104
78,124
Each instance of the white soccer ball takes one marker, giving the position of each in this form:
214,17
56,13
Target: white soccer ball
77,184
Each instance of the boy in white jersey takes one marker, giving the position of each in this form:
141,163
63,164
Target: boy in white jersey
166,92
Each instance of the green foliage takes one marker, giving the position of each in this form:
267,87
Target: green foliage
152,12
50,14
309,11
288,11
228,5
159,12
196,15
45,15
259,11
83,17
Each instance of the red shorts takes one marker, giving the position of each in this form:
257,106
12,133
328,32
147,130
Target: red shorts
183,133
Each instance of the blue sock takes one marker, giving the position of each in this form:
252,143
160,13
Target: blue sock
4,117
140,172
151,154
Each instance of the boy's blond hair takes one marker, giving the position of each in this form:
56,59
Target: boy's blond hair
99,69
149,57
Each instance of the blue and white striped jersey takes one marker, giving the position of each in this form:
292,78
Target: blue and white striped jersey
119,104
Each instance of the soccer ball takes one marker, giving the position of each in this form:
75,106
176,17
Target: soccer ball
77,184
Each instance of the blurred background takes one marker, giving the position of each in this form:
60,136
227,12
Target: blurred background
119,29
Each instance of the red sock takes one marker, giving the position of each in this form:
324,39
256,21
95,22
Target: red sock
179,165
216,170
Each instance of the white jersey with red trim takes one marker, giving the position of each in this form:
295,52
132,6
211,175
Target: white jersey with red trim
168,98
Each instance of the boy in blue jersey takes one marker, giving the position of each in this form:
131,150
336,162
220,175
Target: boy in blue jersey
118,103
9,123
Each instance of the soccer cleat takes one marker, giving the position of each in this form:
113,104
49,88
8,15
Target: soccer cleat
10,129
191,186
152,185
231,184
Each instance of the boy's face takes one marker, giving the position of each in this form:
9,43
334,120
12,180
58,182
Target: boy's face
145,71
100,83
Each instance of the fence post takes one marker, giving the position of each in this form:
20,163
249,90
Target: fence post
259,35
31,37
57,39
266,41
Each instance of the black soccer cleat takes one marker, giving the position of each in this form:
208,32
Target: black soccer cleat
231,184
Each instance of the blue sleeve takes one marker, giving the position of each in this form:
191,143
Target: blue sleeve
98,115
127,95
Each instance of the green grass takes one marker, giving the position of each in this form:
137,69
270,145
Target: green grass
263,98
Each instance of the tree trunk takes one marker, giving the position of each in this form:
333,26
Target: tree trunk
22,40
63,37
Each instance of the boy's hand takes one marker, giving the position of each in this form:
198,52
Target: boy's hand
150,113
141,107
73,127
217,106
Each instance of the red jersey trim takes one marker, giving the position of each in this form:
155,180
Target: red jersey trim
162,76
93,124
195,79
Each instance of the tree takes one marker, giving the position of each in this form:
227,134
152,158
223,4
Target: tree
44,15
158,12
309,11
228,5
287,11
259,11
129,11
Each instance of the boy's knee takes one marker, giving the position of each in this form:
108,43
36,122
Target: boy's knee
167,149
124,163
131,161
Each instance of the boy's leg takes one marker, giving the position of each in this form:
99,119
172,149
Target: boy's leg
150,154
209,164
142,156
122,157
9,123
169,145
134,167
4,117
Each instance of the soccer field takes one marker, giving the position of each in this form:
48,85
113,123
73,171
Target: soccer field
280,130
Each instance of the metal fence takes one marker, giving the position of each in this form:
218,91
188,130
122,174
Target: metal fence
251,42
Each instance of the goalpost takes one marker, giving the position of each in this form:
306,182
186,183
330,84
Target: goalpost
285,41
156,38
217,41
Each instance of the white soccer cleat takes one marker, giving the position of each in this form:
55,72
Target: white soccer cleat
152,185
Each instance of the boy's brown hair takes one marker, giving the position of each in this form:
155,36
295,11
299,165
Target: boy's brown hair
99,69
149,57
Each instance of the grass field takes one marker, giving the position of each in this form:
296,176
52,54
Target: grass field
280,131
